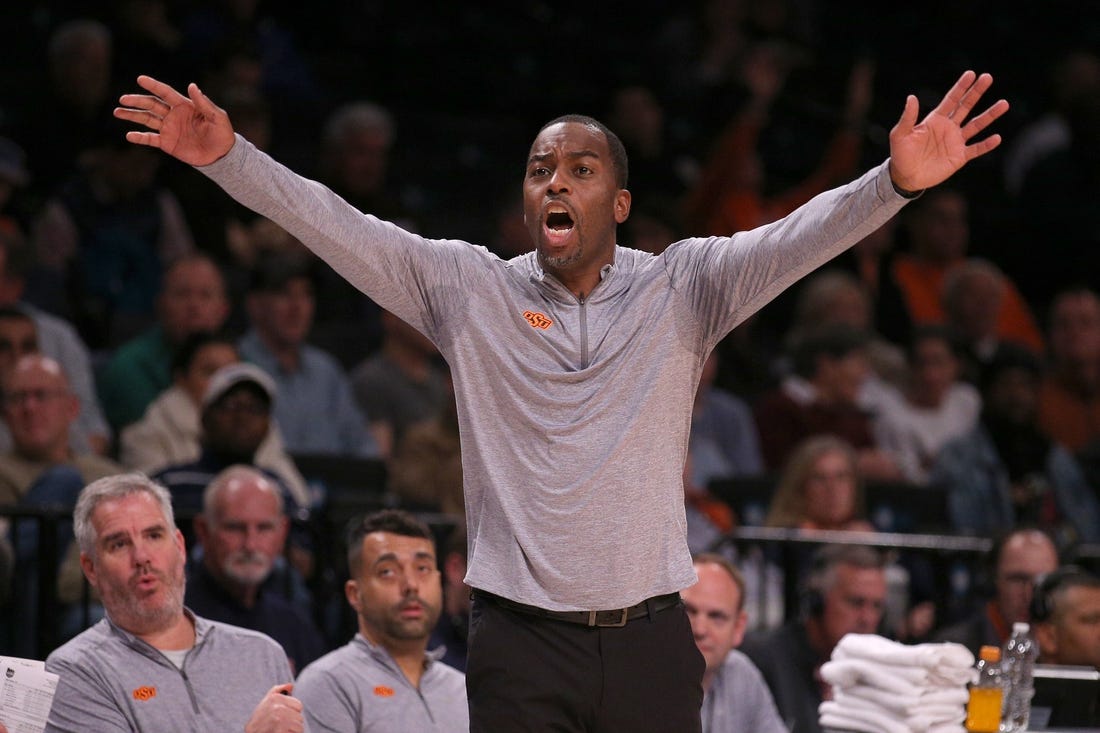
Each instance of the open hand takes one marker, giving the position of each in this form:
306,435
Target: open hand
926,153
191,128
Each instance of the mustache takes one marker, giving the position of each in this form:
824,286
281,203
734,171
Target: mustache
249,557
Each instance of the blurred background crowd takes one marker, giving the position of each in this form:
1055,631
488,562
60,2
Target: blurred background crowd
953,357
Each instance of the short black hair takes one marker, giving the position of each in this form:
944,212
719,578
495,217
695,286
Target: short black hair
186,352
1009,356
14,313
615,147
273,272
393,521
835,341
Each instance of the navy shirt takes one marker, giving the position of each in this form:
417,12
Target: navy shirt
272,615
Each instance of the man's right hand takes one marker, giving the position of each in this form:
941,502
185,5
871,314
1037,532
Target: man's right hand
190,128
277,712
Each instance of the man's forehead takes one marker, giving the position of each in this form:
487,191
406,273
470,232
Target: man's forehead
715,581
854,579
571,137
115,512
377,544
1028,554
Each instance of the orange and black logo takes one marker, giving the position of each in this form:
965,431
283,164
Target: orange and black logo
537,320
145,692
383,691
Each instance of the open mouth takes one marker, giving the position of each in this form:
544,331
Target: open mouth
559,221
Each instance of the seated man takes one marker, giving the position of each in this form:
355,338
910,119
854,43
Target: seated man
1065,616
823,396
735,696
1016,561
169,432
236,419
384,680
1005,472
40,410
316,411
845,593
57,339
242,531
192,299
151,664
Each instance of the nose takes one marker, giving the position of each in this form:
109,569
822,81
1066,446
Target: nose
410,584
140,554
557,183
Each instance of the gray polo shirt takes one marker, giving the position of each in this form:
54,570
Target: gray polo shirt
111,681
360,688
573,413
739,701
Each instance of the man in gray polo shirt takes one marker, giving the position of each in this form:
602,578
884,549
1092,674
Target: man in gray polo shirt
735,697
575,368
151,664
384,680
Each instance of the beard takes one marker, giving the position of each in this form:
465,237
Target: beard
390,623
560,262
144,614
247,568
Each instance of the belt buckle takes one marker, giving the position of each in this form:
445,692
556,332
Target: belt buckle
612,624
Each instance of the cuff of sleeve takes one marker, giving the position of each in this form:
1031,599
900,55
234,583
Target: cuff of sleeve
905,194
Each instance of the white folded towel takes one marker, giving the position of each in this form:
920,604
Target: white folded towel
906,703
880,649
832,715
850,672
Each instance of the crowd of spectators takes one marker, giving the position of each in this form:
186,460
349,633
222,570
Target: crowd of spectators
957,348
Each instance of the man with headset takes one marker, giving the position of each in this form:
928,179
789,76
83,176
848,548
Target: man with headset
844,593
1065,614
1016,560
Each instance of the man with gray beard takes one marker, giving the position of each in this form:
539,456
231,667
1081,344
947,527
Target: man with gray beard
384,680
242,531
152,664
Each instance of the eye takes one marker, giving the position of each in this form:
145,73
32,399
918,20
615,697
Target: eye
583,170
539,171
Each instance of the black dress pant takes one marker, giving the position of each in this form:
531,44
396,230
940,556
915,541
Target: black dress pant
528,673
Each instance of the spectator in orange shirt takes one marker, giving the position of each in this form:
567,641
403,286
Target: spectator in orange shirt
1069,397
939,239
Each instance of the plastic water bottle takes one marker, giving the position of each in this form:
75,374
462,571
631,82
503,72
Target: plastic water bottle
983,709
1017,667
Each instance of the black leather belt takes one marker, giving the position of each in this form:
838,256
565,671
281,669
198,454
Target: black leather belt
610,618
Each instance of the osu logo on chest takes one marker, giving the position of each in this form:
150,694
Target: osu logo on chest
145,692
537,320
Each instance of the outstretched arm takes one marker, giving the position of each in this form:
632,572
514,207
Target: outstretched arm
190,128
928,152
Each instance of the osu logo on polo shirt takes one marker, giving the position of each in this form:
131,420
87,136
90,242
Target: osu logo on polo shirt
383,691
145,692
537,320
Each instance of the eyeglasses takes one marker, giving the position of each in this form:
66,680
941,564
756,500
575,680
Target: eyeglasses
21,396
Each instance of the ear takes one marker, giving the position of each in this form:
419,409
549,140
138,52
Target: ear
88,566
201,527
622,205
284,529
181,545
454,569
351,592
73,407
1048,640
739,626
